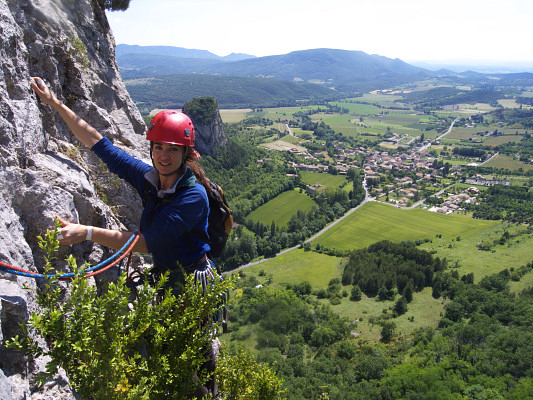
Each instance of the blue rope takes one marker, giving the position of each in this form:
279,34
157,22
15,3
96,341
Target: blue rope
71,274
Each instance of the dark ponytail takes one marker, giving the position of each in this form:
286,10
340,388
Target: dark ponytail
192,162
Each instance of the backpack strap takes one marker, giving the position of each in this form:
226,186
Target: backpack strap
167,199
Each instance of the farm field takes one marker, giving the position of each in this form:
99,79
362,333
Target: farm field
232,116
498,140
381,99
281,208
375,221
282,145
340,124
327,180
502,161
358,108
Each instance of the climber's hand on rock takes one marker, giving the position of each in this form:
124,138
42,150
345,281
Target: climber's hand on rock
70,233
44,93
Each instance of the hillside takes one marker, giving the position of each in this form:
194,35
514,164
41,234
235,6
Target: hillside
172,91
337,68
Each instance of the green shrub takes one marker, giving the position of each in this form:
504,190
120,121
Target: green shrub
241,377
149,348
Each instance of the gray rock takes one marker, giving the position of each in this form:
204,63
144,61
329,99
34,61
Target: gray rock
44,171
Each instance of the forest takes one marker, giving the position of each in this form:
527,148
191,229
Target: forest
442,96
481,348
509,203
172,91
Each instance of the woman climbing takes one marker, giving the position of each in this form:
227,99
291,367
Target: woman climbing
174,223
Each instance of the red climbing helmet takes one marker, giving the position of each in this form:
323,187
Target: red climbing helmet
171,127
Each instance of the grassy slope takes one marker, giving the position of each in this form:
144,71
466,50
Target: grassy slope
297,266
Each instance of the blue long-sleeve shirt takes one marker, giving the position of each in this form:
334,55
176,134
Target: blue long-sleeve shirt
166,226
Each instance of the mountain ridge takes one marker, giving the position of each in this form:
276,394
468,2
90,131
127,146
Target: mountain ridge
336,68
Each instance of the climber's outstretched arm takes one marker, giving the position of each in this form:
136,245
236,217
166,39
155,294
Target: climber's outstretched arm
81,129
70,233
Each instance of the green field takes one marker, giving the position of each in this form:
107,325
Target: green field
502,161
424,309
281,208
516,252
231,116
376,221
297,266
327,180
458,244
358,108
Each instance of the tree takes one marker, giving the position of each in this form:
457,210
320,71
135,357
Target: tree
115,5
408,291
383,293
400,307
356,293
387,331
101,341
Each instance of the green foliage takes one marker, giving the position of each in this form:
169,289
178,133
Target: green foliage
511,203
485,352
113,349
78,50
172,91
386,265
115,5
241,377
202,110
446,95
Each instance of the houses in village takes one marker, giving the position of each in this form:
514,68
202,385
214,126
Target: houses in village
454,202
419,168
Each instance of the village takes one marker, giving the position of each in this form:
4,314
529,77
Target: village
387,183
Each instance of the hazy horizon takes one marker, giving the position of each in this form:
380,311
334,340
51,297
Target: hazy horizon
449,31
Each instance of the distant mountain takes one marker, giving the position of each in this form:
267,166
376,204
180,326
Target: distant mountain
319,64
181,52
342,69
237,57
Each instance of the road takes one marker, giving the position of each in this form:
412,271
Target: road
486,161
441,136
289,129
367,198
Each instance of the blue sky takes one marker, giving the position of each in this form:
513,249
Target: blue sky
412,30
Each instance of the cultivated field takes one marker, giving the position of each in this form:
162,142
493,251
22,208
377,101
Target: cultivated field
376,221
282,145
326,180
502,161
281,208
232,116
297,266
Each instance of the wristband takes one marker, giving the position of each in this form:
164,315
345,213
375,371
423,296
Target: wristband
89,233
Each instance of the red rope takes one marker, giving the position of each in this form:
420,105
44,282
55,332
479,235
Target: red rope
128,251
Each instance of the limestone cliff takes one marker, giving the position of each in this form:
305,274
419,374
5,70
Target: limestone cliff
205,116
44,171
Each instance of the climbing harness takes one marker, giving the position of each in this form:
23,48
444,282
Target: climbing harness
205,274
97,269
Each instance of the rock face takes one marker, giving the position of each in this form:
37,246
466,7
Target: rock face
204,113
44,170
